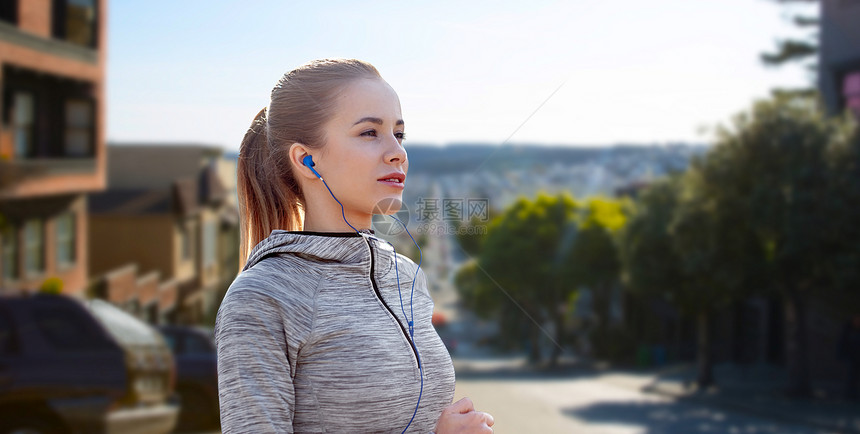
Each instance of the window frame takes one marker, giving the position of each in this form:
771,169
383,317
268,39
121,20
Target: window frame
210,244
71,238
188,248
34,272
89,129
60,23
29,150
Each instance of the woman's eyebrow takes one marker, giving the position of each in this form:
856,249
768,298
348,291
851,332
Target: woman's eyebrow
376,121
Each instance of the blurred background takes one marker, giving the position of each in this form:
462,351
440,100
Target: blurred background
634,217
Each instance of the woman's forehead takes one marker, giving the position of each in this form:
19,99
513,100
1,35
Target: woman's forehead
368,98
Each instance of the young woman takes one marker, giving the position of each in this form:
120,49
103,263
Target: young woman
327,328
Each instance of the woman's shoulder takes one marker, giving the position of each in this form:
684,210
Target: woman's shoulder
277,280
272,296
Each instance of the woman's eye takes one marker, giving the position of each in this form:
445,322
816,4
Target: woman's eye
372,133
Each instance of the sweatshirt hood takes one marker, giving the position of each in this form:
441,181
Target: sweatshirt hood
348,248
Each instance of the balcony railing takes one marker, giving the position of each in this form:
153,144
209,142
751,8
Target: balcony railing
18,170
12,34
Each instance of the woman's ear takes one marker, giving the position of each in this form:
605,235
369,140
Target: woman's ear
297,154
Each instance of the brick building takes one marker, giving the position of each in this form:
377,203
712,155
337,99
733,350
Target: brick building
52,138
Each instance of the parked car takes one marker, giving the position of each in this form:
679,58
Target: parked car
74,366
196,376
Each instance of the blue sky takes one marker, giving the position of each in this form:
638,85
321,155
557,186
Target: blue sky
622,70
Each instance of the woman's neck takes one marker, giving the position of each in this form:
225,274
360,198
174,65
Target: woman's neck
334,222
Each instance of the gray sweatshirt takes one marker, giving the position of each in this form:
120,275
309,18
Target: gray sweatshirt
311,337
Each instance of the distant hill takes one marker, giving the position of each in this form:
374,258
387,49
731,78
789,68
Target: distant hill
469,157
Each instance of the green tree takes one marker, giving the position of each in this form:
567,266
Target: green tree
471,235
719,256
843,232
785,183
650,263
591,260
797,50
688,245
516,275
535,257
655,266
521,253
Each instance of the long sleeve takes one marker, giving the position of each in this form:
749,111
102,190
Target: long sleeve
255,379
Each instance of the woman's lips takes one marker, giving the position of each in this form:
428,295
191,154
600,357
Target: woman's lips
392,183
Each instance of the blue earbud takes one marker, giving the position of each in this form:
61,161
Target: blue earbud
309,161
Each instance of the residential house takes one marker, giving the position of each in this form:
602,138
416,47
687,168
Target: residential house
52,145
166,211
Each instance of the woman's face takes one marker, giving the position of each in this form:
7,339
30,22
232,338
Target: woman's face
363,147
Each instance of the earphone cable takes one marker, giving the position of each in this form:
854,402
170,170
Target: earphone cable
399,293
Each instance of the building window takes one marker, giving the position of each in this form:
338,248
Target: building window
23,122
9,11
186,243
79,128
210,236
75,21
188,230
66,239
10,252
34,247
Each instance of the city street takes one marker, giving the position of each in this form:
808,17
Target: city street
572,400
607,403
595,403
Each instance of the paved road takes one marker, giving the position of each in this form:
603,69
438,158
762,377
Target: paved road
607,403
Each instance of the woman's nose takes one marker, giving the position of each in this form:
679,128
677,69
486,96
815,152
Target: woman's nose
397,152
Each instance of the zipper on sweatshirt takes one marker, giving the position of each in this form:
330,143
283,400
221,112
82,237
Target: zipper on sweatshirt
379,296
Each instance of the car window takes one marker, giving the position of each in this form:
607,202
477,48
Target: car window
67,329
195,344
171,340
8,343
